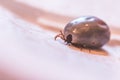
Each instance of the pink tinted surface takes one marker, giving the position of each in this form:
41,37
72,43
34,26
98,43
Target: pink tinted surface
28,50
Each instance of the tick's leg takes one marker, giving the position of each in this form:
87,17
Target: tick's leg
87,47
62,36
59,35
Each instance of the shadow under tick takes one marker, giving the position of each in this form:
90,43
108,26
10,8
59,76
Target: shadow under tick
92,51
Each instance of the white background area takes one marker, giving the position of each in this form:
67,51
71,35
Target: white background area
28,52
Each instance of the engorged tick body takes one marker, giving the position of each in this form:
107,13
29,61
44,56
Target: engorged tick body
86,31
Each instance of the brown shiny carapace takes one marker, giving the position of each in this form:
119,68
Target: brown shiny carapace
86,31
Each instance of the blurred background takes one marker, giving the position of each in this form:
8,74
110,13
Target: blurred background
28,50
107,9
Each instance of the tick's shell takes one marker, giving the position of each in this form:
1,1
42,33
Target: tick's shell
88,31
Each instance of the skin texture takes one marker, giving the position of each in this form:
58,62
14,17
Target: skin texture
87,31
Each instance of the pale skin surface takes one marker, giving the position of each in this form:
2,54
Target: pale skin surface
32,53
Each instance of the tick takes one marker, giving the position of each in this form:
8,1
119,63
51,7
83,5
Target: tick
86,31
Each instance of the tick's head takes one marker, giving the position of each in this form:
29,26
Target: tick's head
68,38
